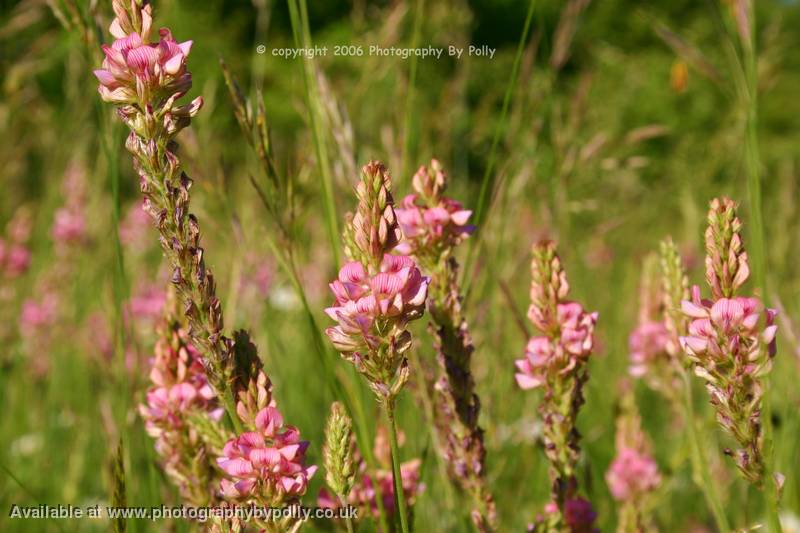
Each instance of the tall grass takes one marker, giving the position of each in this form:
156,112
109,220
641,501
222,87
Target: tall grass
298,12
486,191
748,95
409,126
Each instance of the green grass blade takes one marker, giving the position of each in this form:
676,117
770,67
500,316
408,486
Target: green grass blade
409,138
302,38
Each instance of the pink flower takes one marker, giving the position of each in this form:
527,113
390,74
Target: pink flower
38,315
728,327
444,224
14,259
266,462
133,68
632,474
69,226
532,367
732,348
544,355
134,230
397,293
180,385
148,303
647,345
364,495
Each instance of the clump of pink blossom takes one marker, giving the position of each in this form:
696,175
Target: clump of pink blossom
731,339
632,474
38,315
377,293
647,343
135,227
147,303
180,389
265,464
15,259
268,462
69,226
430,221
134,68
396,292
557,361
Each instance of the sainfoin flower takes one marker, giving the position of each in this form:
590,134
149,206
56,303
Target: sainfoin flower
180,384
397,291
632,474
731,339
135,227
69,226
133,68
433,224
556,361
147,303
543,355
38,314
180,390
266,462
377,293
15,259
732,343
647,344
430,221
579,515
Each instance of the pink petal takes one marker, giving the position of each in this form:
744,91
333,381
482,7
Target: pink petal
528,382
693,310
237,467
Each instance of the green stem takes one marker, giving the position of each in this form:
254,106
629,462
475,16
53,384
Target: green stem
412,81
398,479
488,178
758,254
229,402
348,522
120,288
298,13
342,385
699,464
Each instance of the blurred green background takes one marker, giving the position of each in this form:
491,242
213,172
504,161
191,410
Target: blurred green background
624,122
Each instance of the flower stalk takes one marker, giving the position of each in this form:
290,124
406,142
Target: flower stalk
433,225
731,341
557,362
633,474
674,289
376,295
264,463
145,80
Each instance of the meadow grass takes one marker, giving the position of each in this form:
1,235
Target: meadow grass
608,152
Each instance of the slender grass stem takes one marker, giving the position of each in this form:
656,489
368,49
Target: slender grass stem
487,184
348,523
396,474
408,125
342,386
699,464
298,13
119,284
749,98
